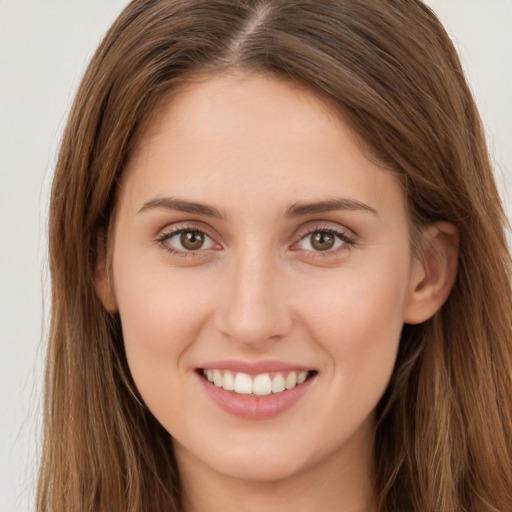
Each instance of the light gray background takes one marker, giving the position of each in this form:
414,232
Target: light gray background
44,47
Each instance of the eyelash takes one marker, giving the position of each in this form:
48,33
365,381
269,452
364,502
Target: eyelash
166,235
347,241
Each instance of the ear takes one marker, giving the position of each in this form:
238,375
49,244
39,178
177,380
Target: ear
434,272
102,282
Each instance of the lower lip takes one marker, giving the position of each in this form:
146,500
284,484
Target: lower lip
255,407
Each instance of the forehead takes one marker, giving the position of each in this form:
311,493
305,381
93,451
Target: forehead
263,138
212,105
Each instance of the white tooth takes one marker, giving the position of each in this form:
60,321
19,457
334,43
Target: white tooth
262,385
278,383
243,384
302,377
217,378
209,375
229,381
291,380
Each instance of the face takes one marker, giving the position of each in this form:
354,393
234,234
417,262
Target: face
256,247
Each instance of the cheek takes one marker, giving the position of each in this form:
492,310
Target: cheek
359,322
161,317
157,303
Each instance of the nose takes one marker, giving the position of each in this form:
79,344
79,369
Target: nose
254,309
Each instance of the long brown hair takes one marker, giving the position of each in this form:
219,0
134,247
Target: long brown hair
444,433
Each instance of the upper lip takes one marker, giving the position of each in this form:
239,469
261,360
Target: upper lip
254,367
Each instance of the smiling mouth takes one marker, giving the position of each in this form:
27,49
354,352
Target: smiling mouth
262,384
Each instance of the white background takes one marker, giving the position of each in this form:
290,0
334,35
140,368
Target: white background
44,47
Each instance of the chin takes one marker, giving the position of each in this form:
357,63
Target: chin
259,460
257,468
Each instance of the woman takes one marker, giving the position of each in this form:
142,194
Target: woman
280,273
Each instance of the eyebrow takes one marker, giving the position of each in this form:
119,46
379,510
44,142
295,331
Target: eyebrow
296,210
300,209
180,205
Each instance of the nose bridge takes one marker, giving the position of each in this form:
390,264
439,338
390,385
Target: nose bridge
255,308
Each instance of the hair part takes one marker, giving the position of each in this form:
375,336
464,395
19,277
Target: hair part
444,432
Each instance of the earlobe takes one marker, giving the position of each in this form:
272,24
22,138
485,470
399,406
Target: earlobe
102,282
433,273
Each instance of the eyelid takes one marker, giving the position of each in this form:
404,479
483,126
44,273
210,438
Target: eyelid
347,236
324,225
177,228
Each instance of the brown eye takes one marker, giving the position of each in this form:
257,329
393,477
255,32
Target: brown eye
186,240
322,240
192,240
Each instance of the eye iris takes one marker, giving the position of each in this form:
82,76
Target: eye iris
322,240
192,240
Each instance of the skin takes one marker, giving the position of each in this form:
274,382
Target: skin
252,147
